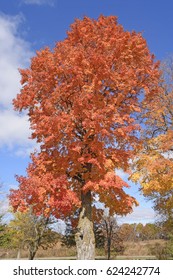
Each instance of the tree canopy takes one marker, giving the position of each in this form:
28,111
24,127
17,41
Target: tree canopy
82,99
153,166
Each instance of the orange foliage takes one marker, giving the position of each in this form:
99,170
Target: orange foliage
154,161
82,99
47,194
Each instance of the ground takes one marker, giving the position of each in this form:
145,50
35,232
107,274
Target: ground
133,250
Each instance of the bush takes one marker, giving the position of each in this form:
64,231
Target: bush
160,251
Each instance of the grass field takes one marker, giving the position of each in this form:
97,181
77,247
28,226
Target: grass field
133,250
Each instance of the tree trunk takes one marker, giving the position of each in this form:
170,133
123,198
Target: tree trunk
32,254
18,253
109,247
33,248
85,240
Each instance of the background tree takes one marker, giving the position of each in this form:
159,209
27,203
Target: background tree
2,229
4,234
154,161
68,238
128,232
148,231
99,235
28,231
110,231
82,99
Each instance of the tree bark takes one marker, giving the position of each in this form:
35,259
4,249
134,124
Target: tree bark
85,240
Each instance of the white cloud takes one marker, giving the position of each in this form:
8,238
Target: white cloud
15,53
139,215
4,202
38,2
4,206
14,129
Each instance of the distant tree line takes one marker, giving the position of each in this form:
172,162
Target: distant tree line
29,232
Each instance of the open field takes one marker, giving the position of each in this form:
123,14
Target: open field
133,250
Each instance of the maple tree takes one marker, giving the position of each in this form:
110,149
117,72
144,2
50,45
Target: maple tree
153,166
82,99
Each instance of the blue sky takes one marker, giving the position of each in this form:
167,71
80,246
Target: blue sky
28,25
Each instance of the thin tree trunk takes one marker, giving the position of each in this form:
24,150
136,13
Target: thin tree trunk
36,243
31,255
109,247
18,253
85,240
34,248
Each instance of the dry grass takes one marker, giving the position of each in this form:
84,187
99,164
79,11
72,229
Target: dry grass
57,251
142,249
